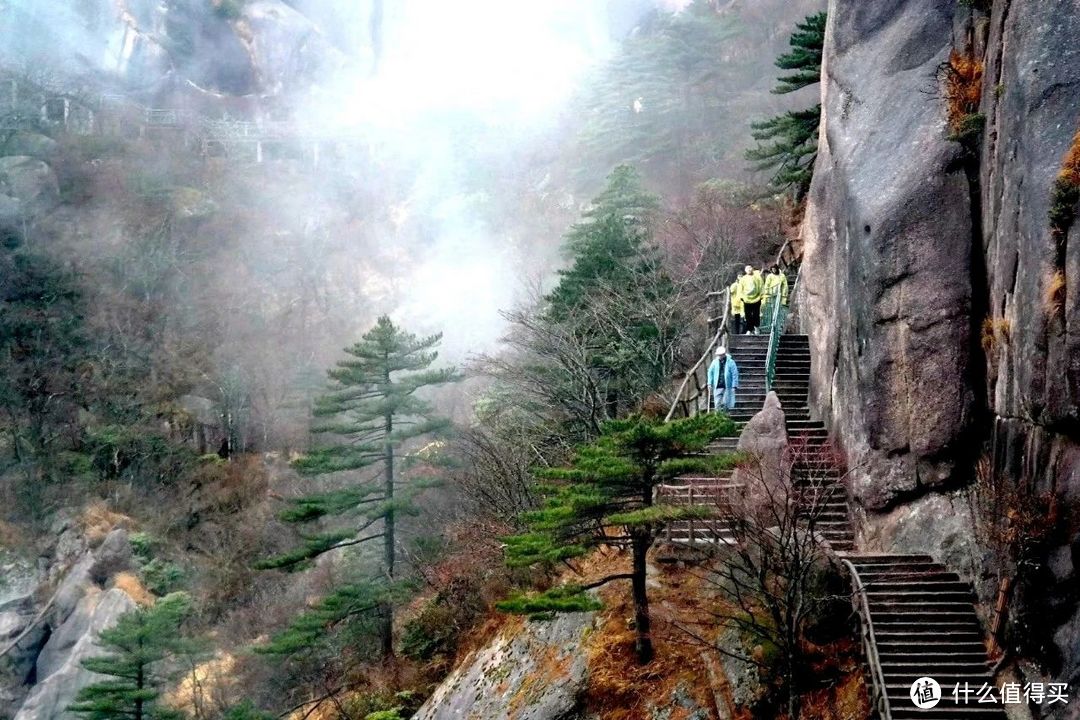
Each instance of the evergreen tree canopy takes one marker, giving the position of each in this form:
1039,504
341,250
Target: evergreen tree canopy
615,302
787,143
137,646
807,44
605,497
661,98
610,242
371,410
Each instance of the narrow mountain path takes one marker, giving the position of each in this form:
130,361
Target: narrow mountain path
917,616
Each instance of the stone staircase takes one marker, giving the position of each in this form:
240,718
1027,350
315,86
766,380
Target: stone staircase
750,354
923,621
918,617
815,468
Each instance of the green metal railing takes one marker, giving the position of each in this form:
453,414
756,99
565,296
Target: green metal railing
777,313
692,396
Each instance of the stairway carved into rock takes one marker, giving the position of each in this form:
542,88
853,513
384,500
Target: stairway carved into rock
917,617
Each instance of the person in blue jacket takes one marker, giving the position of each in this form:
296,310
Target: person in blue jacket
723,379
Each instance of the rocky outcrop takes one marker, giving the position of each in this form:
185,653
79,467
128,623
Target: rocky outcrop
765,439
886,288
28,190
61,674
942,306
286,47
531,671
56,623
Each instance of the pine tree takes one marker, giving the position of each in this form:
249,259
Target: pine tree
604,298
605,497
370,411
787,143
138,646
609,242
659,101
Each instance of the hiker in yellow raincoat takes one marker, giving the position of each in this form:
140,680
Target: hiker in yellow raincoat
776,290
752,290
776,285
736,307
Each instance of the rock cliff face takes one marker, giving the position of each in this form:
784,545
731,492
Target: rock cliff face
255,47
886,292
537,672
50,617
941,304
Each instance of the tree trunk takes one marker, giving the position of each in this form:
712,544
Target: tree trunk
643,644
387,630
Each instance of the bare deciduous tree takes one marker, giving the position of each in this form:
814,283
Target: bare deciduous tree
777,586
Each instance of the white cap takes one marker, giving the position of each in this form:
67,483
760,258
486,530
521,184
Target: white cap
721,350
749,268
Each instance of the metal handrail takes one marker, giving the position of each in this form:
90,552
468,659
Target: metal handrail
877,677
785,258
779,320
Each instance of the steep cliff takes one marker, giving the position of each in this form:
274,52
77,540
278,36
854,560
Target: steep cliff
939,294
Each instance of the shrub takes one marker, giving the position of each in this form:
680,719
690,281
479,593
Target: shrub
162,577
228,9
142,544
246,710
961,77
1065,193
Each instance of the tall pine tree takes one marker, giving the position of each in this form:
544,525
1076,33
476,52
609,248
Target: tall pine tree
138,647
603,298
372,409
787,143
605,497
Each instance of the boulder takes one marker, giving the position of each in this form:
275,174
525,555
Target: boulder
60,671
30,144
765,439
18,580
940,525
531,671
288,50
28,190
112,556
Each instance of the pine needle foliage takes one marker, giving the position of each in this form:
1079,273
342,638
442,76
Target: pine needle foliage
137,648
659,100
807,44
369,412
787,143
605,498
606,302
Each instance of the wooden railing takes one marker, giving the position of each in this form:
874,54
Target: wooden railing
703,492
879,698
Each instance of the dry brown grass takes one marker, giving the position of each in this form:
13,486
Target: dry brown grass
1055,294
621,689
996,331
962,77
97,520
130,583
1070,164
10,536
